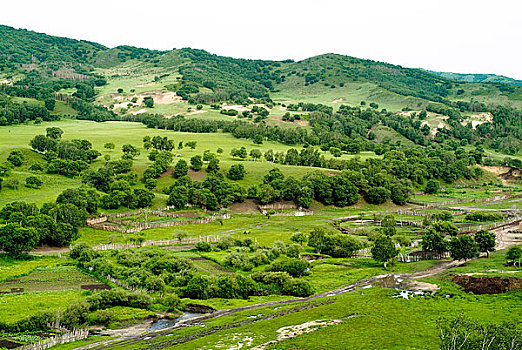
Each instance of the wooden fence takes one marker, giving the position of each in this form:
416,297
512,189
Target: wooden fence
74,335
100,224
188,240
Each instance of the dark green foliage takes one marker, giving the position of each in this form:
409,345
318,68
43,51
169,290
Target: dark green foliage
181,169
433,241
16,158
203,246
236,172
463,247
293,266
196,163
33,182
432,187
383,249
486,241
16,240
446,227
333,244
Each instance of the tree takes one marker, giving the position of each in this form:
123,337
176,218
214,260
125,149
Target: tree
130,150
317,239
514,254
54,133
180,234
148,101
16,158
377,195
298,237
219,150
388,224
191,144
109,146
433,241
150,184
258,139
446,227
33,182
50,104
463,247
256,154
336,152
213,165
239,153
16,240
383,249
432,187
181,168
236,172
196,163
178,197
486,241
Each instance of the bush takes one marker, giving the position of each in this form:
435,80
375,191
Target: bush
294,267
83,252
203,246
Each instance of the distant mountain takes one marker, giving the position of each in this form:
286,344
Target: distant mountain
34,58
479,78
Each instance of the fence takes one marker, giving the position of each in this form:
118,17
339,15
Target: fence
137,227
293,213
74,335
465,200
188,240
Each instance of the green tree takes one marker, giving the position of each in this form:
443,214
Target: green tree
433,241
432,187
236,172
388,225
191,144
336,152
514,254
446,227
486,241
54,133
33,182
298,237
130,150
213,165
16,158
50,103
383,249
181,168
256,154
109,145
463,247
196,163
16,240
148,101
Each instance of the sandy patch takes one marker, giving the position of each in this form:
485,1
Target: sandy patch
6,82
290,332
236,108
197,111
234,341
141,111
478,119
337,100
122,105
146,84
418,286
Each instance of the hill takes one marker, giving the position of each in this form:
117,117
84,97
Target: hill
479,78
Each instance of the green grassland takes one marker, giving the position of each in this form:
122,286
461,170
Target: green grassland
120,133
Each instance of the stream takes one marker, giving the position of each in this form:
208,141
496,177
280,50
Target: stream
164,323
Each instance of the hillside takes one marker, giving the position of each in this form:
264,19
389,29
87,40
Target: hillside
479,78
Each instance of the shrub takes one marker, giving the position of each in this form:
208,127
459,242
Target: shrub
203,246
294,267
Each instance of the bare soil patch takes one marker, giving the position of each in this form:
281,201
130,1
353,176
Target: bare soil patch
488,285
249,206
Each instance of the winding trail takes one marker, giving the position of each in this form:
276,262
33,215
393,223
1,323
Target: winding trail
142,336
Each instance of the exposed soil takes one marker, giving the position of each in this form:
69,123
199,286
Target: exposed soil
488,285
249,206
199,309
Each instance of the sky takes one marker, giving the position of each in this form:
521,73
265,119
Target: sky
446,35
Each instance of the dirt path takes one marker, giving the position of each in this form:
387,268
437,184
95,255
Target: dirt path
137,336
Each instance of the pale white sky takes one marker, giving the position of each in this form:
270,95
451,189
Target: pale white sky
465,36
